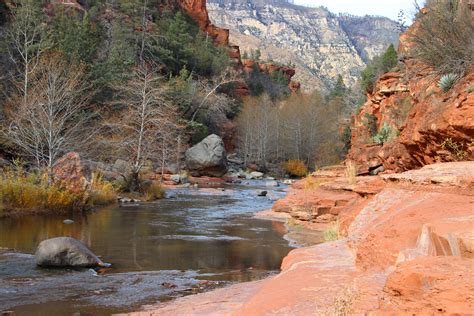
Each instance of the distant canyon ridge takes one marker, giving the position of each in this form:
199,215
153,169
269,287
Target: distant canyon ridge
319,44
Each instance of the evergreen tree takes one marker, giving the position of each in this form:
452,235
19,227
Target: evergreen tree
389,59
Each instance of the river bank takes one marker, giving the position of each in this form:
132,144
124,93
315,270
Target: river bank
406,246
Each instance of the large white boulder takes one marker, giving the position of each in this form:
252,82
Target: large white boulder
208,158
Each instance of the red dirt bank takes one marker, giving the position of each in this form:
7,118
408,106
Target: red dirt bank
409,249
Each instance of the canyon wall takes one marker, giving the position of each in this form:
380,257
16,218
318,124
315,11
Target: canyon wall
429,125
319,44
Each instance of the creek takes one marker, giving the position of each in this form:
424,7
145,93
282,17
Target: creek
195,241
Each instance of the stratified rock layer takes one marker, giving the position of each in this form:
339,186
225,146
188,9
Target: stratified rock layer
319,44
429,125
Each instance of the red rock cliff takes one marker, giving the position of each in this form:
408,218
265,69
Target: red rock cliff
432,126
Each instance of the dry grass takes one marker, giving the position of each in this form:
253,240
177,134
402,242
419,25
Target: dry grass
332,233
295,168
154,191
351,172
23,192
342,305
101,192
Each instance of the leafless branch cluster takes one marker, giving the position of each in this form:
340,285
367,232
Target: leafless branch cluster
302,127
52,119
444,36
145,128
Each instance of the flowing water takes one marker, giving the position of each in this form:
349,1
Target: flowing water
197,240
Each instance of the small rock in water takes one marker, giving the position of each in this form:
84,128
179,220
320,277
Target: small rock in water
168,285
68,221
263,193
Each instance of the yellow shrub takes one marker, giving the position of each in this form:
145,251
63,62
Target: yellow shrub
154,191
332,232
295,168
20,191
101,192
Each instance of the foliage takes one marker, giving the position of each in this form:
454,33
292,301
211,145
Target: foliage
444,37
371,123
368,78
75,36
389,59
153,191
339,89
386,134
346,139
332,233
296,168
275,85
101,192
180,44
459,150
23,192
470,88
447,81
378,66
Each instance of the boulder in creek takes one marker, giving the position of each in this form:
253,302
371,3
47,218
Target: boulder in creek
208,158
66,252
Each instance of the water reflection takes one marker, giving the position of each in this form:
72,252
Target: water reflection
203,235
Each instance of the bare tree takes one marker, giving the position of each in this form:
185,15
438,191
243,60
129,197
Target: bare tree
52,120
26,36
209,88
146,128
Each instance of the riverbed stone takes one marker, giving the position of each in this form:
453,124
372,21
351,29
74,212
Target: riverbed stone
207,158
65,252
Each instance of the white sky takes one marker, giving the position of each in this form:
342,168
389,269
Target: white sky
388,8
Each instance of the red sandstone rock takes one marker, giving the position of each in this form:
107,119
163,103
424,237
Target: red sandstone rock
70,172
425,117
431,286
408,251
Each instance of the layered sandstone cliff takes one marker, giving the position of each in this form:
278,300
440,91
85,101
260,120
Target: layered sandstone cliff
427,124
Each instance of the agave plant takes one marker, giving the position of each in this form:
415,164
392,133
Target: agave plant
447,81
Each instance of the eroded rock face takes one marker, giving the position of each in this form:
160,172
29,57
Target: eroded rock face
208,158
65,252
432,126
320,44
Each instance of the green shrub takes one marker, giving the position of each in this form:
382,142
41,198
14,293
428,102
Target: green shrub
446,82
386,134
296,168
371,123
470,88
377,67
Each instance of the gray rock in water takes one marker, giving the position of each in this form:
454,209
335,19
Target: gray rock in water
68,221
208,158
65,252
176,178
263,193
